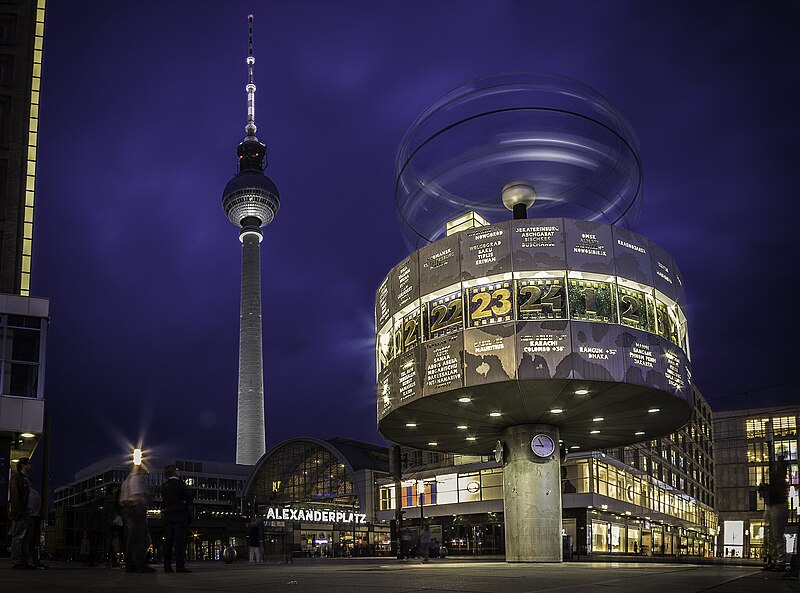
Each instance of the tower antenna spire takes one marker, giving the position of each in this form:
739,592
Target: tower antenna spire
250,128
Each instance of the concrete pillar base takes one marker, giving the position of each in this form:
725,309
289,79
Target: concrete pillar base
532,494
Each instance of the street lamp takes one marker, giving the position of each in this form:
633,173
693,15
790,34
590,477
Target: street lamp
137,457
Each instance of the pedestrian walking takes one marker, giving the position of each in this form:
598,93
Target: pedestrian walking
405,543
134,500
176,502
19,514
255,536
425,543
35,512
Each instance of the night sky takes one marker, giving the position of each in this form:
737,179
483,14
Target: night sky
143,105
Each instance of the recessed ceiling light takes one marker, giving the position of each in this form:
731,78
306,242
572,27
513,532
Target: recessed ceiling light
556,411
27,435
495,414
654,410
598,419
410,425
581,391
472,439
594,432
462,427
464,400
641,432
433,444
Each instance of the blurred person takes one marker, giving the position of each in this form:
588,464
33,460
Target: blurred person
134,500
255,535
20,489
425,543
777,497
405,543
35,512
176,501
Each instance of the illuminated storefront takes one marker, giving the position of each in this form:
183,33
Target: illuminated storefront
316,497
608,508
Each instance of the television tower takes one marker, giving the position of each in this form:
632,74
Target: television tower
250,201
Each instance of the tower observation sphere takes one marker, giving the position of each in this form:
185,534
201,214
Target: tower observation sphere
250,201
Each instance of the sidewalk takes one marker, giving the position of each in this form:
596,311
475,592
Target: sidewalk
382,575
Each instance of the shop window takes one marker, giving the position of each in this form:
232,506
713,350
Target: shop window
617,538
469,487
599,536
447,488
758,531
492,485
633,540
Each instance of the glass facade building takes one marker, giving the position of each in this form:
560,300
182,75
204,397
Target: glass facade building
21,46
316,497
747,439
23,320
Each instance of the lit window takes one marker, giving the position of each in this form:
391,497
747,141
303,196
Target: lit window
786,448
757,453
758,475
784,426
756,428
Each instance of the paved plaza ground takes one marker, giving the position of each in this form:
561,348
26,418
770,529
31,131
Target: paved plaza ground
390,576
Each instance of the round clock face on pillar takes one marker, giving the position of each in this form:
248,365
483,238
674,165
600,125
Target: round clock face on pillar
542,445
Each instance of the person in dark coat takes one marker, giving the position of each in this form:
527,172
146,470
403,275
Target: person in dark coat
176,500
19,514
778,511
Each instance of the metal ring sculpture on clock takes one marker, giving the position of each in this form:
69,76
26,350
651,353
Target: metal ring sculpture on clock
561,134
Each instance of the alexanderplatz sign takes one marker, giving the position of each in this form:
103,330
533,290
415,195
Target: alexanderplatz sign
325,515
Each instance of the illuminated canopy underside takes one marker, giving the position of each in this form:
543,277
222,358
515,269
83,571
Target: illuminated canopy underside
624,408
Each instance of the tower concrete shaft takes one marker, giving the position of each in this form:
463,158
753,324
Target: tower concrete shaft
250,439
